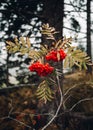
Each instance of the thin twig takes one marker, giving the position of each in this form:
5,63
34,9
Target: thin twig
22,123
61,101
41,114
65,102
80,101
9,117
70,89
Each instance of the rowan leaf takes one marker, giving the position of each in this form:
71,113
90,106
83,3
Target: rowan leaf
44,92
76,57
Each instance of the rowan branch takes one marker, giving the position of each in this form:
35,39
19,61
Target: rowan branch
60,104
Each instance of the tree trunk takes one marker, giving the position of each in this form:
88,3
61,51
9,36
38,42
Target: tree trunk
7,71
89,32
54,13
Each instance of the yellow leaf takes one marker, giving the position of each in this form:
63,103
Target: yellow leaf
28,42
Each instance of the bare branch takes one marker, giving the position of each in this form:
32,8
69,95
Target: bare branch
80,101
61,102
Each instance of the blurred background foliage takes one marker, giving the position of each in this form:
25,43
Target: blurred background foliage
25,18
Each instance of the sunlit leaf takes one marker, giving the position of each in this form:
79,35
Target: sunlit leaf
44,92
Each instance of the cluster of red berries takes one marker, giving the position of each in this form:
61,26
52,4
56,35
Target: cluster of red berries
46,69
41,69
56,55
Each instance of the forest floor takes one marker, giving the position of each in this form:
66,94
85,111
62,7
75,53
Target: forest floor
19,110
